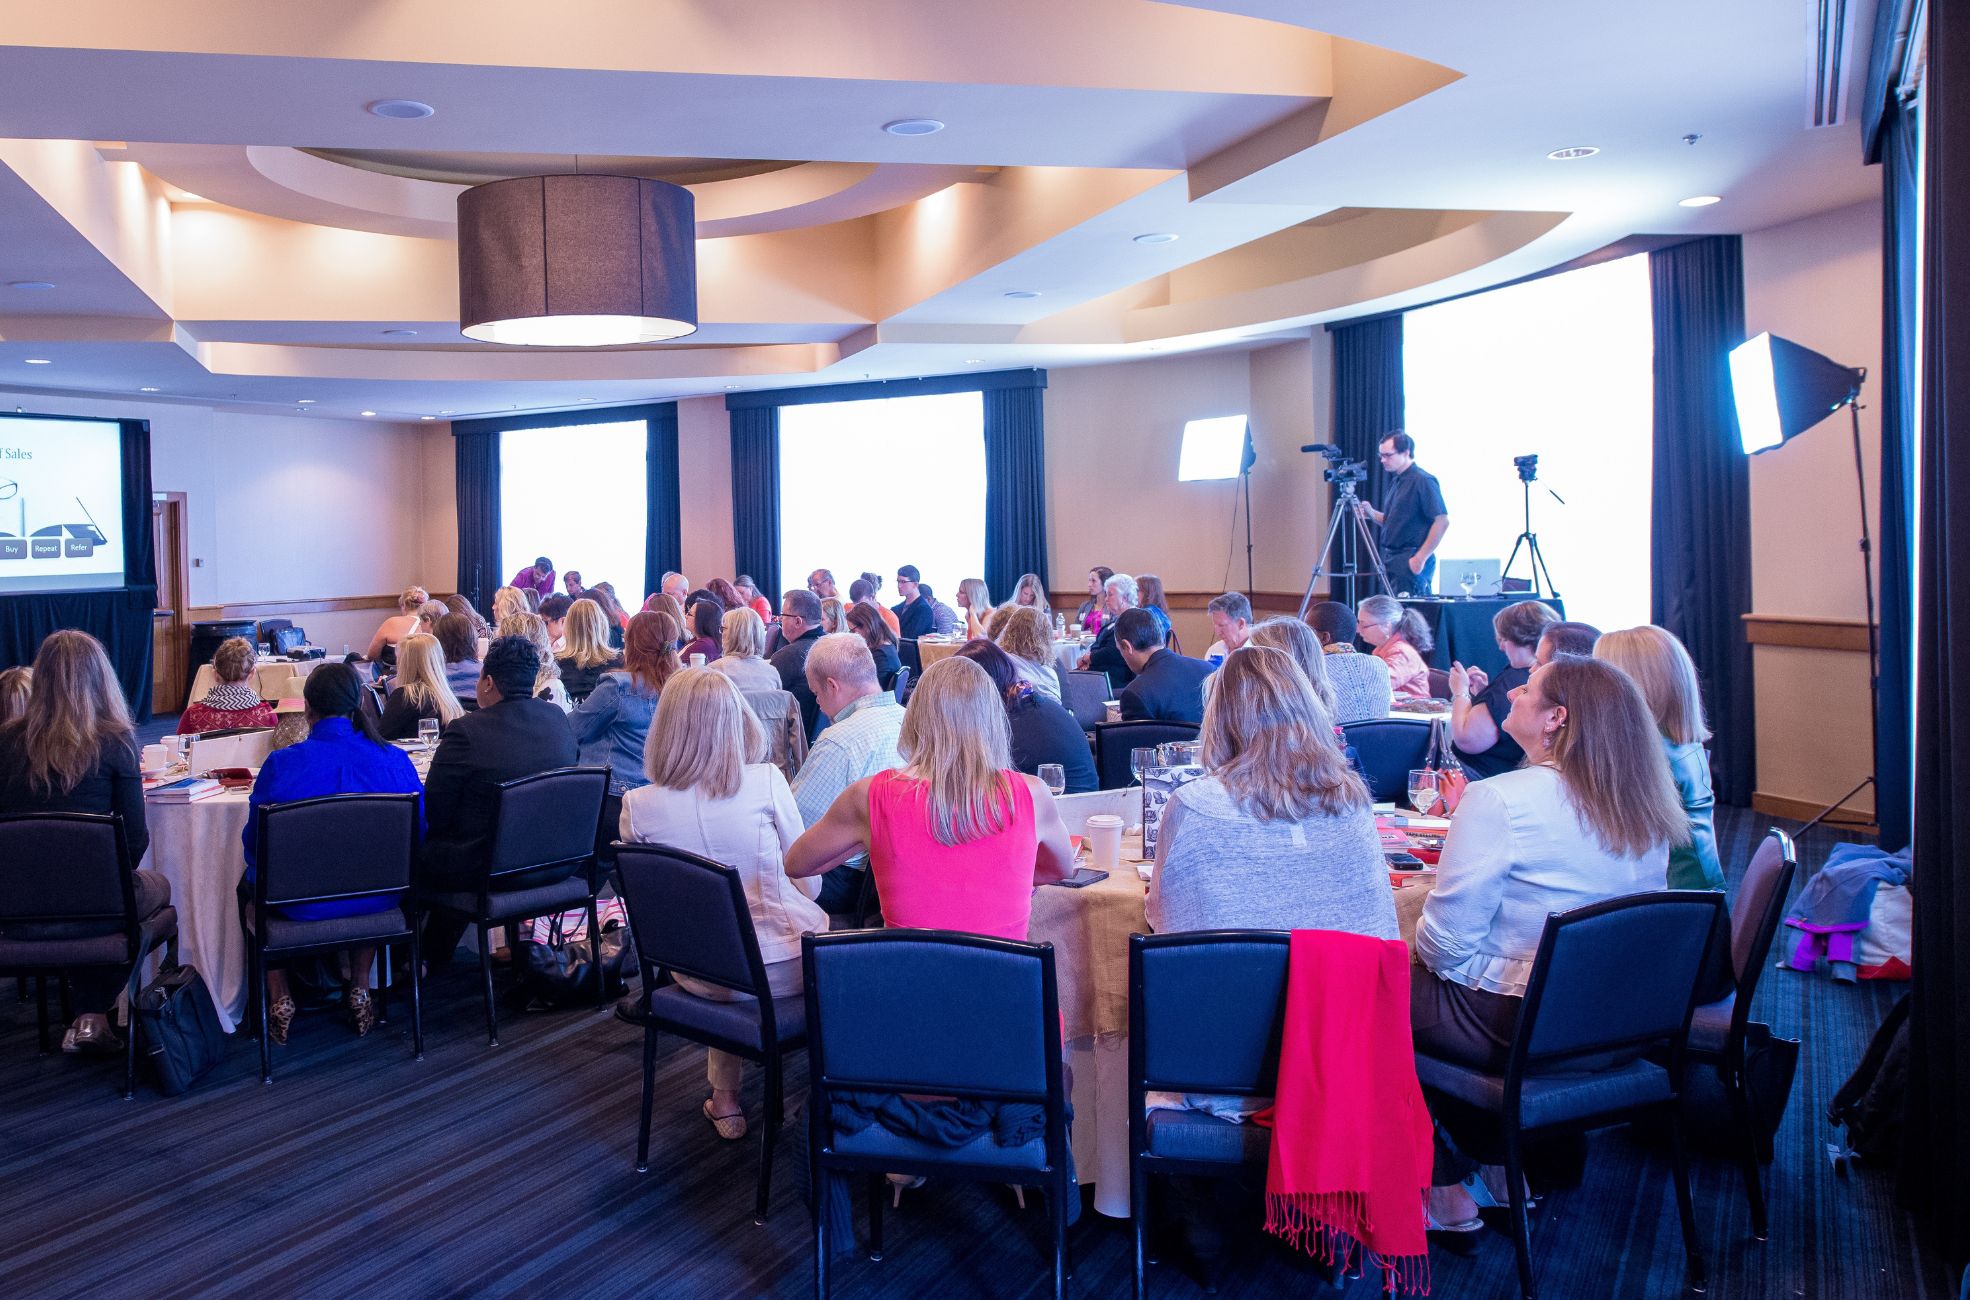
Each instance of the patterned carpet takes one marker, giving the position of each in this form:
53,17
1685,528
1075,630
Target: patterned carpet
509,1171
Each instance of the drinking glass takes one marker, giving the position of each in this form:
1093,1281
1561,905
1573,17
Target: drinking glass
1468,582
1423,791
1054,777
1141,760
1179,753
427,732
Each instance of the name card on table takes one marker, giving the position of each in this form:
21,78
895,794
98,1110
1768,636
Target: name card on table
1158,784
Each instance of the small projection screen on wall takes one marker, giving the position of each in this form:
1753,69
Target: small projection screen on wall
61,504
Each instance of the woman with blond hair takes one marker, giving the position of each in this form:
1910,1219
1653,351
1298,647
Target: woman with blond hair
234,700
382,647
1662,670
975,599
420,690
586,650
1300,644
956,838
712,792
532,628
742,643
1031,593
1028,638
15,686
612,724
832,613
507,601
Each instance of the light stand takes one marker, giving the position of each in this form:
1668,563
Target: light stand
1245,488
1873,640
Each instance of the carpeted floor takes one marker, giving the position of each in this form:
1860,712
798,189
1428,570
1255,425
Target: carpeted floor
510,1171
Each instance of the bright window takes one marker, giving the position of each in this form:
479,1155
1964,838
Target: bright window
1561,368
578,495
883,483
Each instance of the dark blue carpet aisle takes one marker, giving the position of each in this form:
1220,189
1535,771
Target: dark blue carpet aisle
510,1172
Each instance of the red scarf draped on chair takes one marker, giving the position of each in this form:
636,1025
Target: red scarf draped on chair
1351,1138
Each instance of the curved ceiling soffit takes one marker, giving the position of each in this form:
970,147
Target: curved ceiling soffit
387,364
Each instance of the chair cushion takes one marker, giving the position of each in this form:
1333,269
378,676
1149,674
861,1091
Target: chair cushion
514,905
286,932
1194,1135
875,1140
1550,1098
92,950
688,1015
1711,1025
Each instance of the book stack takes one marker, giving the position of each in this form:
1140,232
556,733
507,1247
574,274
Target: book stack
187,790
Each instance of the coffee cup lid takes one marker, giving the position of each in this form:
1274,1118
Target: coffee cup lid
1104,820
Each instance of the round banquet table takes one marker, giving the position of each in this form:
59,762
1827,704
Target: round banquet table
272,678
1067,654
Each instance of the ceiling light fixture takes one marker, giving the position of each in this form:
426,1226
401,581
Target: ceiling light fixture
369,413
975,361
1577,151
402,110
427,417
304,401
444,413
913,126
1157,237
31,286
146,390
37,361
1700,201
1022,293
577,261
399,334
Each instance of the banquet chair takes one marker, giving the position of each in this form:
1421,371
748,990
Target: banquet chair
540,861
1439,684
1113,742
1610,981
1390,748
1205,1013
910,656
68,901
1085,693
689,916
879,1021
900,685
339,847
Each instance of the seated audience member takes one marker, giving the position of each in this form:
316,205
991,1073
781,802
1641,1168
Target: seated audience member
1027,637
343,754
457,604
1281,835
547,685
728,596
511,735
571,585
662,602
1032,593
863,592
858,743
613,614
1591,816
822,583
1163,685
800,625
974,603
235,700
1089,616
382,647
421,690
1661,669
74,749
587,653
1041,730
1401,638
1231,623
537,577
532,599
1479,703
746,588
995,621
707,620
1567,639
914,615
866,622
428,615
15,686
1149,596
507,601
460,642
943,619
874,580
677,587
956,839
1118,595
554,612
1303,648
1361,682
612,724
710,792
831,614
741,643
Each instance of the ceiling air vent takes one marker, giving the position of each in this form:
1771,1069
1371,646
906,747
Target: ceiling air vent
1829,32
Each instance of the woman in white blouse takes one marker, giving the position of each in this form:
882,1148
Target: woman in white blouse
711,793
1591,816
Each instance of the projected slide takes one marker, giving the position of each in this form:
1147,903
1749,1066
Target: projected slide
61,504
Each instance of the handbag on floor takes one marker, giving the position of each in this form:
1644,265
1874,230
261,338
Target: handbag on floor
182,1039
561,971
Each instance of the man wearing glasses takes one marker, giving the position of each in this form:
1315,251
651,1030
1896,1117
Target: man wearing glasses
1415,520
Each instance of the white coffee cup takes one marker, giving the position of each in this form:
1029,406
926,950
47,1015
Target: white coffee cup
697,660
1104,836
1114,708
155,757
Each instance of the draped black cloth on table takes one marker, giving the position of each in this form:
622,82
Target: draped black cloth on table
1700,543
1015,486
1368,406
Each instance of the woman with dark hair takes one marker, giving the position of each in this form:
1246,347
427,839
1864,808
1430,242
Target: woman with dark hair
480,628
707,622
604,595
1149,596
1479,702
1088,616
612,724
749,592
461,646
343,754
866,621
728,595
1042,731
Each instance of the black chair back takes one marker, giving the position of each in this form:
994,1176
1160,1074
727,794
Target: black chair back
689,915
910,655
1597,955
1390,749
901,684
546,819
1085,693
342,846
66,866
1113,742
1206,1009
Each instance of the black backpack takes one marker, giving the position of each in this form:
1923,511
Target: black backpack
1869,1105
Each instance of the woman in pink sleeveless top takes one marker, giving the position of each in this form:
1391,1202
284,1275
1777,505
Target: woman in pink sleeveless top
957,839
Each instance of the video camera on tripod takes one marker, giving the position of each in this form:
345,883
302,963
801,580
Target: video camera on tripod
1339,468
1348,555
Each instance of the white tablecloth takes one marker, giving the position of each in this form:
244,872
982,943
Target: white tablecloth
273,678
197,847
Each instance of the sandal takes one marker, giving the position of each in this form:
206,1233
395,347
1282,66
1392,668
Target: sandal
1460,1239
280,1017
362,1013
730,1127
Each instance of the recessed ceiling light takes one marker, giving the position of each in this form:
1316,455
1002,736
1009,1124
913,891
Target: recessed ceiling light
1022,293
585,399
913,126
1700,201
399,334
38,361
444,413
1577,151
427,417
304,401
146,390
975,361
1157,237
32,286
369,413
405,110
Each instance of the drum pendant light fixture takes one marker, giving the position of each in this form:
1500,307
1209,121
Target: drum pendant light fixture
577,261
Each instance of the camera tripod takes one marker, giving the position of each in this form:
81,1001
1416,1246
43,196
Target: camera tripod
1529,540
1354,542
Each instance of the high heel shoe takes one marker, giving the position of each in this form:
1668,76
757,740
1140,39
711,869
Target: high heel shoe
362,1013
280,1018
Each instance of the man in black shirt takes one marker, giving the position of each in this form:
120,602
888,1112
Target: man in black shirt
914,616
1414,520
800,624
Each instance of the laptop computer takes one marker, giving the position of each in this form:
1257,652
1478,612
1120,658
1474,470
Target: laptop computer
1483,576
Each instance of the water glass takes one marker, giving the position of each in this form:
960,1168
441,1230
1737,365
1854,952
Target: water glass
427,732
1179,753
1054,777
1468,582
1141,760
1424,793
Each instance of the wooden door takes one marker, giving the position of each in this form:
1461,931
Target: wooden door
170,629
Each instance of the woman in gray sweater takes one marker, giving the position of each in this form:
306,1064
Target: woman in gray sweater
1281,835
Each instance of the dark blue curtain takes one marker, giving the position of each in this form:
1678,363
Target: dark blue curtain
1015,487
1368,402
663,544
477,478
1700,542
1894,757
756,497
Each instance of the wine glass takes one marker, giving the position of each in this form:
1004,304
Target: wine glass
1141,760
427,732
1468,582
1423,790
1054,777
